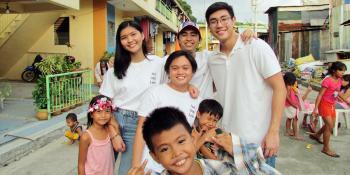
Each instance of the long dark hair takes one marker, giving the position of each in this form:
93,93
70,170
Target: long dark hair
122,56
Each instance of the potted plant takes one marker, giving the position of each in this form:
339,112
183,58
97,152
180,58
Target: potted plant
5,91
40,100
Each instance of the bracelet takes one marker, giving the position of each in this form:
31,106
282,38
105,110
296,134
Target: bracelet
115,136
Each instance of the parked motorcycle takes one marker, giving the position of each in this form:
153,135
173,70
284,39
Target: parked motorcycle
31,73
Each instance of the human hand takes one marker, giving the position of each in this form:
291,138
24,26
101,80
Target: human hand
309,89
270,143
139,170
314,112
248,35
194,91
118,143
224,141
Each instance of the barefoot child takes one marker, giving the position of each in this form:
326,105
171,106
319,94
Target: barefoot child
292,106
96,155
325,103
75,130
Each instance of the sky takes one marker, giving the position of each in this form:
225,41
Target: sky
242,8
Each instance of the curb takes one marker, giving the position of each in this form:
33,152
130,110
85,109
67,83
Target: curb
18,148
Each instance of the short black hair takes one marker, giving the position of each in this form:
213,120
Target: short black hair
162,119
177,54
289,78
218,6
346,77
72,116
212,107
336,66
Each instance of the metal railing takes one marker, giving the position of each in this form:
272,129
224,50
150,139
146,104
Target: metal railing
162,8
67,90
6,20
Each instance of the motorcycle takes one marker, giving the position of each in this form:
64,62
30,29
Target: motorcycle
31,73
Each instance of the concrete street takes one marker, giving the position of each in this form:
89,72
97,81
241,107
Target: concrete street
57,158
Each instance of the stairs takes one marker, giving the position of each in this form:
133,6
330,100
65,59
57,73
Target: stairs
9,23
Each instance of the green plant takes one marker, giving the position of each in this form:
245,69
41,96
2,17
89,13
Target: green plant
106,55
39,93
5,91
51,65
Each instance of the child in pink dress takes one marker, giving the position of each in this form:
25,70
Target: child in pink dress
292,106
96,155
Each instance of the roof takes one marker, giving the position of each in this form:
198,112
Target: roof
299,7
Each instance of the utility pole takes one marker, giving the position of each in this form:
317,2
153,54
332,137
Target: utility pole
254,5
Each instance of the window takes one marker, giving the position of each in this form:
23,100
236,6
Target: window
62,31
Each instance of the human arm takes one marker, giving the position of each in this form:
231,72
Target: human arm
98,75
139,143
248,35
270,142
345,96
79,131
224,141
290,101
206,152
194,91
116,139
83,149
318,100
139,170
307,92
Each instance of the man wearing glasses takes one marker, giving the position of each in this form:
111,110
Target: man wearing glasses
249,83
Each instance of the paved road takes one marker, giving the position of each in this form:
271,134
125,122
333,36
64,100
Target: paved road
294,158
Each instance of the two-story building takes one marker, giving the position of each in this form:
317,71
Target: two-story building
84,29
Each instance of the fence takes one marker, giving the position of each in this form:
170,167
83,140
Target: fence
67,90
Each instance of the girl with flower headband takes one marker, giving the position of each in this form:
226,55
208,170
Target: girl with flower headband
96,155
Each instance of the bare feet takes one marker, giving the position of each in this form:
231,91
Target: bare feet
312,128
300,138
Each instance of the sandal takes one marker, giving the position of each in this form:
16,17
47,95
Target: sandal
315,138
331,155
311,128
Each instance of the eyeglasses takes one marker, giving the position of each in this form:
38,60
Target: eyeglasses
222,20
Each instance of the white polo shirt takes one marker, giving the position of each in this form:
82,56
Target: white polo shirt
161,96
126,92
242,89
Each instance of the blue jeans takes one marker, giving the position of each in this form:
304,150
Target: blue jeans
271,161
128,123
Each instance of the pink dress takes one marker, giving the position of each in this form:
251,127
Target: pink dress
100,157
332,89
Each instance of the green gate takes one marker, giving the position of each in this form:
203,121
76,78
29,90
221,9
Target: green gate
67,90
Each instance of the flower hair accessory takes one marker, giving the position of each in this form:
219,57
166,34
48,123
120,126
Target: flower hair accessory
101,104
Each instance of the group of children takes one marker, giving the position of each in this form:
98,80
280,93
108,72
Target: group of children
334,90
173,143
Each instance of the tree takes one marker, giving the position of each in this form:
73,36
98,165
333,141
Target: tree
187,9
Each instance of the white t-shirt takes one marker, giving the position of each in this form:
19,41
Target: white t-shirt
242,89
126,92
202,78
162,96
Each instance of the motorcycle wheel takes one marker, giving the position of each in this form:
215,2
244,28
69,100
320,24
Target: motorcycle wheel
28,76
